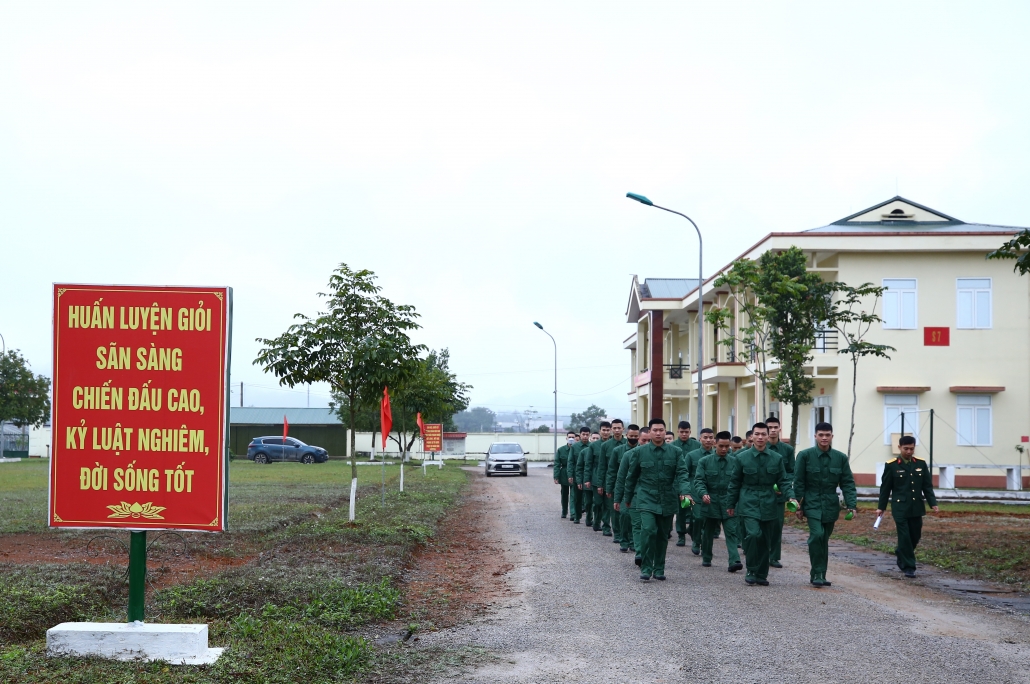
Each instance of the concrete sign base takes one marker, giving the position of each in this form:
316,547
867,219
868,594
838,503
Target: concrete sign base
174,644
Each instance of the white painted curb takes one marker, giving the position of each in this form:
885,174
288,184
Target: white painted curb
175,644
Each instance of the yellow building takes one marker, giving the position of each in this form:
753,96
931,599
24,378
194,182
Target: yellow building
960,324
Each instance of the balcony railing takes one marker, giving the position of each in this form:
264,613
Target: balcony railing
675,370
825,340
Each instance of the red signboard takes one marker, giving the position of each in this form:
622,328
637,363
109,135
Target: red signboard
433,440
936,337
140,417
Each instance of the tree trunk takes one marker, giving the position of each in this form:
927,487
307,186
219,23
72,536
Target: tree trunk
353,437
854,397
794,416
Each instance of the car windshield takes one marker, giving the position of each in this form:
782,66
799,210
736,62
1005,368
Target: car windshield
506,449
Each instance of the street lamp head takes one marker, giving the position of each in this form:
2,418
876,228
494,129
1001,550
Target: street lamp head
640,198
538,325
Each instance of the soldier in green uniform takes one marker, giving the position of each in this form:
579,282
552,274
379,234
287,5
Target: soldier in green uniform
561,471
656,480
907,484
710,487
621,494
576,473
692,458
787,452
751,495
817,474
684,516
609,523
591,471
621,525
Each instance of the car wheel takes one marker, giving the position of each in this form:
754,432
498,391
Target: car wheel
307,458
260,458
525,474
488,473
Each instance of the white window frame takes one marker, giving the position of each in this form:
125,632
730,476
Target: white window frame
971,409
893,406
974,292
899,304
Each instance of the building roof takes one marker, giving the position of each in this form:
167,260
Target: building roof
900,215
667,288
261,415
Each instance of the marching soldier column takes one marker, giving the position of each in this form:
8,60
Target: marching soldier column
635,484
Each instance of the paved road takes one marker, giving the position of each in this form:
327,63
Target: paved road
578,613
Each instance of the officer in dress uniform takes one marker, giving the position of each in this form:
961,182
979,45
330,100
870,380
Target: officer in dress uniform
908,485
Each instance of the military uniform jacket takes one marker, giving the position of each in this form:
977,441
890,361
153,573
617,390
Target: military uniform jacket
787,452
576,462
591,462
606,462
561,464
713,477
751,488
817,474
656,477
687,446
906,486
692,459
614,463
620,493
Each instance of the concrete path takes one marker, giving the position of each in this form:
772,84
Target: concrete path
578,613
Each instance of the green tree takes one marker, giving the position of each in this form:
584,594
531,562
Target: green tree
541,428
358,345
1016,248
590,418
24,397
478,419
851,321
743,325
432,391
797,306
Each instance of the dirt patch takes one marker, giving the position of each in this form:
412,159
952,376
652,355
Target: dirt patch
167,564
460,573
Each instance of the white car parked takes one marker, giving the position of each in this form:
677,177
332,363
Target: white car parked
506,457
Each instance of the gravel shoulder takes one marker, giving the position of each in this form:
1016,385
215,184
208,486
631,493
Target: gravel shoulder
576,612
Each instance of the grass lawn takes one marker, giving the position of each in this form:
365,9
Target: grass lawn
298,602
987,541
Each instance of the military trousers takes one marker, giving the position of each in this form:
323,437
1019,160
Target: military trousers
819,546
634,524
616,520
697,523
588,504
606,513
599,509
777,540
575,502
654,535
683,521
709,531
564,498
910,531
757,542
625,528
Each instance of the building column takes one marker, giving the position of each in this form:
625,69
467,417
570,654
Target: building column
657,359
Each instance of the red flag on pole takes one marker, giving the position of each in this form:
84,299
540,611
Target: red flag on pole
385,417
421,425
286,428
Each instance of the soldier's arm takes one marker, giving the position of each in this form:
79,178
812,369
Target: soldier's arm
614,461
632,476
885,489
556,466
786,486
587,455
700,484
800,478
847,486
620,479
684,486
579,465
733,490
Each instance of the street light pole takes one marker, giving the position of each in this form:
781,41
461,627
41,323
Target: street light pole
555,384
700,305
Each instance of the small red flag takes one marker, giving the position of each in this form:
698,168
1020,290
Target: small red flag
421,425
385,417
286,428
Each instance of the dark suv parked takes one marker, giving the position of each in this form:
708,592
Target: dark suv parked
268,449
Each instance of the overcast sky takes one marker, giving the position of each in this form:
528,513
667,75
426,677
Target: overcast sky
476,156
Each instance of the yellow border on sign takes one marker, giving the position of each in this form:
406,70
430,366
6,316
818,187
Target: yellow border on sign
52,514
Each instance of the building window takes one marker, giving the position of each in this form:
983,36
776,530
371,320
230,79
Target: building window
899,304
974,419
894,405
974,303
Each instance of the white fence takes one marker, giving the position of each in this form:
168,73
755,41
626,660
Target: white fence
539,445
